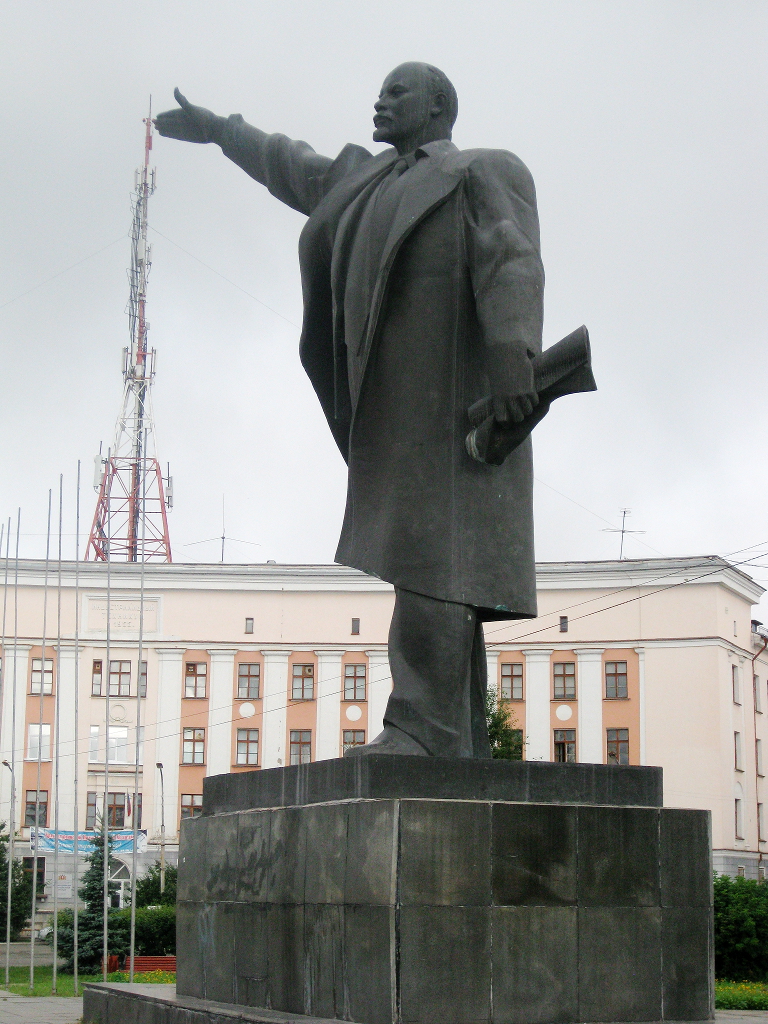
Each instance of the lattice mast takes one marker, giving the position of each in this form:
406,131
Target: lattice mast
131,523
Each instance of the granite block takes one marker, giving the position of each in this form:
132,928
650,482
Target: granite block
371,852
251,954
192,883
221,859
325,842
371,954
445,965
388,777
287,848
535,965
190,918
253,856
618,857
686,858
534,855
687,951
324,987
285,957
218,952
619,964
444,853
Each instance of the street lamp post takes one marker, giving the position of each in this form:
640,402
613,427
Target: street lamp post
11,829
162,828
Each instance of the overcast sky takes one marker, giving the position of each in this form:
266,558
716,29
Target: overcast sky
644,126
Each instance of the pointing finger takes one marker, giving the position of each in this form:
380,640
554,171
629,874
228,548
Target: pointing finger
181,99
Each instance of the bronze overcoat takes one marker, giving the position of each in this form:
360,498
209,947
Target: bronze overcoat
460,270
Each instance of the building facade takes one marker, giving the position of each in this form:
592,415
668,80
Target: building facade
653,661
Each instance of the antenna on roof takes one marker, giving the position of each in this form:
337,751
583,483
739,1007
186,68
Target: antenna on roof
622,530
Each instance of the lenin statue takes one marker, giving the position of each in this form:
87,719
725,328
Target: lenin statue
422,285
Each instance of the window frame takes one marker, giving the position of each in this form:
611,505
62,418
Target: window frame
355,682
247,747
347,742
568,745
197,744
617,675
617,744
514,678
121,687
307,673
195,676
189,801
301,746
29,809
564,677
249,678
43,741
45,677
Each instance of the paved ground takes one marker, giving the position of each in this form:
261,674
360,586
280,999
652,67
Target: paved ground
39,1010
20,955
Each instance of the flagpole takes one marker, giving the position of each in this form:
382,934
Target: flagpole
57,737
75,845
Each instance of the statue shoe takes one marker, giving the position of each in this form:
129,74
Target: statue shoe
391,741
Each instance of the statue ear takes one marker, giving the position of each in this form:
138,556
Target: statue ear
439,104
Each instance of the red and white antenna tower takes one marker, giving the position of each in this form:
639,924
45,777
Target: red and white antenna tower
130,523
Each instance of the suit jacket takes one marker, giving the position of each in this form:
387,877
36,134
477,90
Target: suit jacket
460,272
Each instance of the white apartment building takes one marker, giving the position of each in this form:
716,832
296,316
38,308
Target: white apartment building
243,667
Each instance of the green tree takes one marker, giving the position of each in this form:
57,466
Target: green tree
148,887
155,929
91,918
505,738
741,929
21,890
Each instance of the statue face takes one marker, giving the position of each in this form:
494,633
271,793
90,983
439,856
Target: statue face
403,111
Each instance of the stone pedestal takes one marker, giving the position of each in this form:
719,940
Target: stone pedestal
427,891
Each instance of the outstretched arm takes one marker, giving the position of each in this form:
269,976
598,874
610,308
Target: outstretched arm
292,171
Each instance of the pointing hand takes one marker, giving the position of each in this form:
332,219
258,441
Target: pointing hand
190,123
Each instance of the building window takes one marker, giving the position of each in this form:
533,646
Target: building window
738,824
615,680
563,623
756,694
119,679
565,680
116,810
301,746
355,627
759,756
512,681
352,738
248,677
117,744
143,679
303,682
191,805
737,763
39,742
735,683
354,682
90,813
28,866
195,678
29,810
96,679
565,745
193,746
37,670
93,747
247,746
249,625
741,871
618,746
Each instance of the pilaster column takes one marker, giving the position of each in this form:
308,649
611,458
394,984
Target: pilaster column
274,708
589,741
492,657
218,756
640,652
379,689
167,738
14,679
537,719
329,686
65,683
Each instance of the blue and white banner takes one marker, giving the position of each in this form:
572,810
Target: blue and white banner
44,840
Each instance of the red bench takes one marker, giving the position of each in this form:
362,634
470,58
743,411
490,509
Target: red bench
144,964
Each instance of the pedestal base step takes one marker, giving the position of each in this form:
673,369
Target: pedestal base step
159,1004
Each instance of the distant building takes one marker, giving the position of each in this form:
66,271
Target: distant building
243,667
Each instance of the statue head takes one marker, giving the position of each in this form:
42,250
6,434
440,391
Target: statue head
417,104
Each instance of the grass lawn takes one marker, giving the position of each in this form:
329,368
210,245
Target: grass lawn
741,995
65,983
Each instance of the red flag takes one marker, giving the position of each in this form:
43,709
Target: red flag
128,804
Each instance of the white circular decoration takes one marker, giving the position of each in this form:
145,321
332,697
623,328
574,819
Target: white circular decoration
247,710
118,713
563,712
354,714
